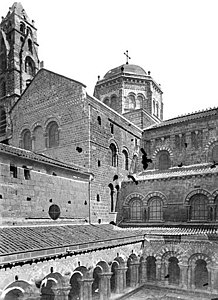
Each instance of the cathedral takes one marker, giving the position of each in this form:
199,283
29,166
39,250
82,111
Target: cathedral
100,197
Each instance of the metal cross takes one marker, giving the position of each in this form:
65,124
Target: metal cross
127,57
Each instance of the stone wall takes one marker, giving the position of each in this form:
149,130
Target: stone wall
28,191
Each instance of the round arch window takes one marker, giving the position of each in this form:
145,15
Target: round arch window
215,153
54,212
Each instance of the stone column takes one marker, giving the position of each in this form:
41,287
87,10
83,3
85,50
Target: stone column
120,279
86,288
61,292
143,278
183,282
105,286
134,273
214,276
158,273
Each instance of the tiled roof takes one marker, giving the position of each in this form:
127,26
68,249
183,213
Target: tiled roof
181,229
32,238
183,118
200,169
38,157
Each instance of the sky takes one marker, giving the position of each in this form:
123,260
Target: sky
174,39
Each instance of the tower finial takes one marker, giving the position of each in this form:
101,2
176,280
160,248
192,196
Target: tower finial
127,57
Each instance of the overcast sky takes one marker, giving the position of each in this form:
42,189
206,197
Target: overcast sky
174,39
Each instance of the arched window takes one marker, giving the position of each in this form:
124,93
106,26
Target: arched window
151,268
29,31
99,120
201,276
39,141
157,109
106,101
139,101
52,135
199,207
132,103
126,104
3,89
30,45
29,66
27,142
155,209
216,208
173,271
114,157
3,121
22,27
136,210
215,153
163,160
114,102
125,160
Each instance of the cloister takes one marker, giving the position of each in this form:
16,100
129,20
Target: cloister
168,267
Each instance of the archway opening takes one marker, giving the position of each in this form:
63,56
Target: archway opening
201,274
74,293
46,290
173,271
96,283
151,268
113,276
14,294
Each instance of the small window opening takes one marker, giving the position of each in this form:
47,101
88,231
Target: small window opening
50,200
0,196
99,221
112,128
99,120
13,171
98,198
99,163
28,199
69,202
26,173
54,174
85,203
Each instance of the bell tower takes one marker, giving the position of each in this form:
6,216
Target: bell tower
18,54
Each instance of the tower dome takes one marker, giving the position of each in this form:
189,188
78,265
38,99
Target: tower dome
126,68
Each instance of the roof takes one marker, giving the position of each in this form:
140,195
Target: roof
180,229
48,240
40,73
191,170
183,118
26,154
127,68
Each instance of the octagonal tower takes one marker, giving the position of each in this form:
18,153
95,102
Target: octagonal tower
132,92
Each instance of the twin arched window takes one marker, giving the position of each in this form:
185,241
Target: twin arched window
132,102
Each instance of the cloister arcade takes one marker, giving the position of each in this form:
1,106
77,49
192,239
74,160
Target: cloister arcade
106,280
